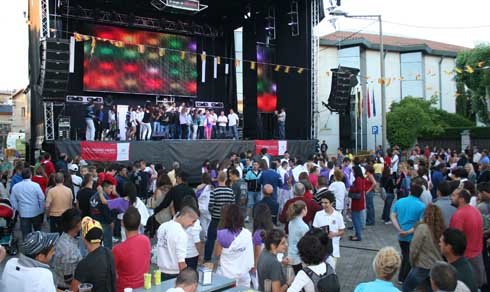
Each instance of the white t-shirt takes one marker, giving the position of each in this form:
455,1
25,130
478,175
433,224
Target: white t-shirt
339,190
77,183
193,238
335,222
214,118
171,249
19,278
222,121
302,281
394,163
232,119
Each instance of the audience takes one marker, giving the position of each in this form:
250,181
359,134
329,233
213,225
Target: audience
443,278
268,266
297,229
186,281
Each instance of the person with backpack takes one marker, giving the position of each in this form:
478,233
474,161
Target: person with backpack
316,275
385,265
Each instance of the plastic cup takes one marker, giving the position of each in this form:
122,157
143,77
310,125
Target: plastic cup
128,289
85,287
147,281
158,277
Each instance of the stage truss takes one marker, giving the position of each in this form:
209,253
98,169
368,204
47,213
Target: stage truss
315,47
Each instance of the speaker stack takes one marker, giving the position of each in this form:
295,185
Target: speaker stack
344,79
56,59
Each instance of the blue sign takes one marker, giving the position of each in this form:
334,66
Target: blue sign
374,130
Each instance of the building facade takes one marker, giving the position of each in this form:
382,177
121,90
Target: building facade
413,67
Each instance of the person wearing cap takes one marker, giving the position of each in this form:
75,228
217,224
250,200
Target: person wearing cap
98,267
68,253
30,271
177,193
27,198
75,179
58,199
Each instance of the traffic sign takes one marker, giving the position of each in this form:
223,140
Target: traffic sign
374,130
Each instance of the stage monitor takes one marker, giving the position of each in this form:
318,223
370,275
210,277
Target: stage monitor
139,62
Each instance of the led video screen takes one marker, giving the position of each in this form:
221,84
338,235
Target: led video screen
141,62
266,85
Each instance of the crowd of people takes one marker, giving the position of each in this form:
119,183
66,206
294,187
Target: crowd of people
156,122
271,223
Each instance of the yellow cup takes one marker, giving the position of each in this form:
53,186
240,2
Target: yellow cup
147,281
158,277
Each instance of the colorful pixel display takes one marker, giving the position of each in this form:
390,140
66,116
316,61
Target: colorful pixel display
266,85
140,62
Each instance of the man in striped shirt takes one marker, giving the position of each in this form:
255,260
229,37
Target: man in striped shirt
221,195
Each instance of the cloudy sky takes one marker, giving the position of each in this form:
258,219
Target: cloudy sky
457,22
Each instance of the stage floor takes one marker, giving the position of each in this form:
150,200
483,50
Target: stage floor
190,153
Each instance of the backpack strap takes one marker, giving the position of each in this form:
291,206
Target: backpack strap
313,276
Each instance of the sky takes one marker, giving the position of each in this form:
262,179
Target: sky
458,18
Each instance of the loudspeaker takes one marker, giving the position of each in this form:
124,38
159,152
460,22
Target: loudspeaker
343,80
55,67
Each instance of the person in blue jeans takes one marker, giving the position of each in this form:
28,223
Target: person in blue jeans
370,184
406,213
388,184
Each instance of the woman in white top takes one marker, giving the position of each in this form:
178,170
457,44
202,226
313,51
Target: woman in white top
338,189
297,228
234,247
203,193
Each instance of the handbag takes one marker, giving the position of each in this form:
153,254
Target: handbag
356,195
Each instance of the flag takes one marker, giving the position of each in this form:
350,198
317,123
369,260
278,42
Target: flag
300,70
368,104
359,103
374,105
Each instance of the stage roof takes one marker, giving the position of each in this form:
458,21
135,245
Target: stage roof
226,13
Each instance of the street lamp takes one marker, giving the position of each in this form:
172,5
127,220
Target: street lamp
338,12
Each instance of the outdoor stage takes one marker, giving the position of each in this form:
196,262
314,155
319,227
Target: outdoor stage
190,153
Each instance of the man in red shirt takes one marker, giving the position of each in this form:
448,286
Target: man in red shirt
132,257
48,164
311,206
469,220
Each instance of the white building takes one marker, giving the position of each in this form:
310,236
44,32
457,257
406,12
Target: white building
414,67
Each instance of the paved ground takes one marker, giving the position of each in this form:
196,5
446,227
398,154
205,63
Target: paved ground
355,263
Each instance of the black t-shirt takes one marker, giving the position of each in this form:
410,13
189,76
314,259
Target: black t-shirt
99,211
484,176
176,195
83,197
98,269
465,274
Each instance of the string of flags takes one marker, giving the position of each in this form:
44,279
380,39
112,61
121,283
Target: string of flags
387,81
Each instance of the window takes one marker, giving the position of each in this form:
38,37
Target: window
411,67
23,112
350,57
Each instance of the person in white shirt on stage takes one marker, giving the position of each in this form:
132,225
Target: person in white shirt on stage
234,246
335,222
222,122
172,239
233,124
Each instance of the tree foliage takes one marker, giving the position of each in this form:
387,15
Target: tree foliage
473,72
415,117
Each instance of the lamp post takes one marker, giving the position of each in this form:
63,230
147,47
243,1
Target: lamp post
338,12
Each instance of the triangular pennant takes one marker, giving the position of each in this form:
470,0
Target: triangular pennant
277,68
300,70
182,55
141,49
286,70
252,65
218,60
93,46
161,52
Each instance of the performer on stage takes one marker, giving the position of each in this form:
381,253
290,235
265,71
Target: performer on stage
281,123
233,124
89,121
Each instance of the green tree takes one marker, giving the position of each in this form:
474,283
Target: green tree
474,72
415,117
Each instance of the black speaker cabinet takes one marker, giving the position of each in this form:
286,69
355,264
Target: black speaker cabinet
56,67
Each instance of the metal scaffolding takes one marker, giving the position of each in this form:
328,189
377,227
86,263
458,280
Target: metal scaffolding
315,47
44,15
48,120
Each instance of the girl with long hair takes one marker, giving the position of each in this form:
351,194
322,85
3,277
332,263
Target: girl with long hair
296,228
203,193
262,224
387,185
424,248
163,186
